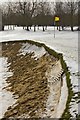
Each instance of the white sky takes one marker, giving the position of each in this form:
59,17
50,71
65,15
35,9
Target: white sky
2,1
25,0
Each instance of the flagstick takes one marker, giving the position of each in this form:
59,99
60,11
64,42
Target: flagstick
54,29
56,19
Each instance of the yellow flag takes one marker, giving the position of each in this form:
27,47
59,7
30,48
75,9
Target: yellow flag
57,18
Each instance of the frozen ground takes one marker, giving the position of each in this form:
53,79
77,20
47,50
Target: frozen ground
65,42
6,98
27,48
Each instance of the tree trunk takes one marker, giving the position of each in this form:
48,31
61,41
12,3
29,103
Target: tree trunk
72,28
43,29
34,28
72,16
27,28
62,27
3,28
30,27
57,27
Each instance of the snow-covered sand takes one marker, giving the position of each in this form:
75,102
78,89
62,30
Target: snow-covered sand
27,48
56,92
63,99
6,98
65,42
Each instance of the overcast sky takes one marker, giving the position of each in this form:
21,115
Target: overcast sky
2,1
25,0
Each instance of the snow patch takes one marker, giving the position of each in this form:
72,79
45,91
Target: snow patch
6,98
28,48
63,99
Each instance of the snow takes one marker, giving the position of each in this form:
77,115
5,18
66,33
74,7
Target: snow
65,42
6,98
28,48
56,89
63,99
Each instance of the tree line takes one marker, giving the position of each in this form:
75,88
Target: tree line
28,14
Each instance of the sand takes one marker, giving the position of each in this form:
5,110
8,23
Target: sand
30,83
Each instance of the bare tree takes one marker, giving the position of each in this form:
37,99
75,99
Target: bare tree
67,11
71,9
8,14
0,19
79,15
60,13
43,15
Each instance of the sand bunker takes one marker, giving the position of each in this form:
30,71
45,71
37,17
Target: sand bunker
35,83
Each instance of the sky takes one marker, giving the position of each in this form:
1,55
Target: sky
25,0
2,1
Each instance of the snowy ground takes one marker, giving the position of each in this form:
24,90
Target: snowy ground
27,48
65,42
6,98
